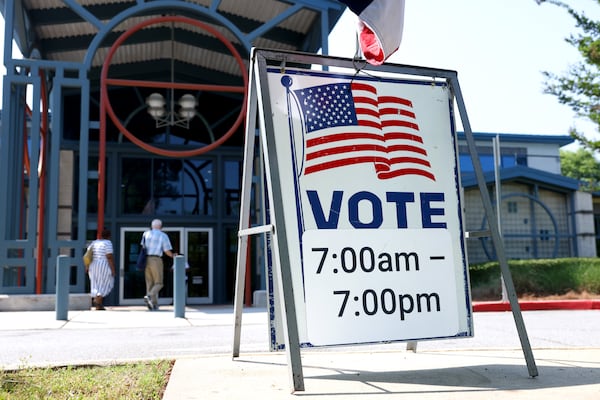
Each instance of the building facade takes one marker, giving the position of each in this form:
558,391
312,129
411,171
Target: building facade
122,112
542,214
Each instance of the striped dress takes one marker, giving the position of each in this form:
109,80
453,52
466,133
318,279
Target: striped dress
101,279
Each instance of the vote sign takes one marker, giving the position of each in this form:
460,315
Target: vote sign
370,184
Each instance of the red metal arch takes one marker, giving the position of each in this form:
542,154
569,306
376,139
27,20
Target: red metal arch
106,108
105,81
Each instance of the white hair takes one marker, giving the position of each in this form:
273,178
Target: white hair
156,224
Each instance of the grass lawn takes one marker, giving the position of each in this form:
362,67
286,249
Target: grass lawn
144,380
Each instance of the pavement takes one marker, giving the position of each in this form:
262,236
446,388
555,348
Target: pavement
354,372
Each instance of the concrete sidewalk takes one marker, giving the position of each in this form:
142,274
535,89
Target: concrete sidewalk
465,375
359,372
125,317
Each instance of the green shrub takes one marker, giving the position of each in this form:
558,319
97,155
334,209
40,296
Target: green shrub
544,277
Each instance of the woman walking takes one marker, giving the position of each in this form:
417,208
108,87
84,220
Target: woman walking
102,269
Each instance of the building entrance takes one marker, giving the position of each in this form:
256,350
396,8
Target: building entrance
196,244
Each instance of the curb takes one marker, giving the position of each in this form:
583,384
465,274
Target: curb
485,306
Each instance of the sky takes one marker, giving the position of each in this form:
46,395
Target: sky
499,49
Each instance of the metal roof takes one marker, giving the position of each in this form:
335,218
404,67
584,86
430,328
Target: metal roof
63,30
524,175
560,140
80,34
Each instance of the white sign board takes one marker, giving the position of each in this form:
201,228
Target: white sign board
371,198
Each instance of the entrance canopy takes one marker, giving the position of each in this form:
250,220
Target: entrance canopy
54,113
83,32
64,30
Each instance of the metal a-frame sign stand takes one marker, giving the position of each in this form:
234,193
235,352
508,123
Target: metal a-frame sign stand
279,250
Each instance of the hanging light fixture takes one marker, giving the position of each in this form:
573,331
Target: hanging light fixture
157,103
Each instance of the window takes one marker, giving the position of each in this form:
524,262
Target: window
233,181
509,157
136,189
198,187
167,190
167,186
512,207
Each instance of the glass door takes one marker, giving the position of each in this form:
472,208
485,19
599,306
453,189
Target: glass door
132,287
199,275
194,243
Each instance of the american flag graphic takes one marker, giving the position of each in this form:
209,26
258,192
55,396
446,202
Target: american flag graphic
349,123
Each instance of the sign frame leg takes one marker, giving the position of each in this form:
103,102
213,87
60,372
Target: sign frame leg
283,284
495,233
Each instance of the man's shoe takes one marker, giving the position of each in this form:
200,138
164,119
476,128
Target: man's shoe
148,303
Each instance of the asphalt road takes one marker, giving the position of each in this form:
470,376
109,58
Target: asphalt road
91,337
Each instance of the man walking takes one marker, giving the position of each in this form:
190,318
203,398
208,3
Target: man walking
156,242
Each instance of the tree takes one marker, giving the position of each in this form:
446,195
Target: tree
581,165
579,88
